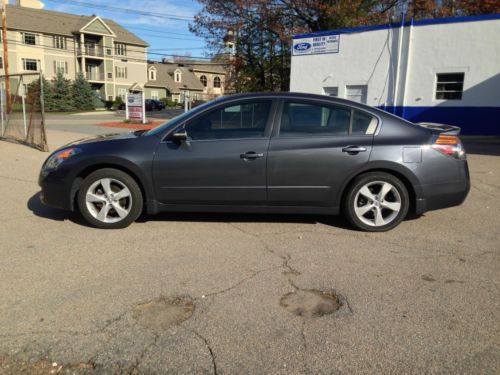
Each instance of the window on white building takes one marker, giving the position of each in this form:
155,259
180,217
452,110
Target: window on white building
122,93
60,67
152,75
154,95
59,42
203,80
121,72
120,49
30,64
357,93
29,38
217,82
449,86
177,76
1,62
331,91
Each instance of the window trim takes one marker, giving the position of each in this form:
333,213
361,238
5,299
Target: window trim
279,113
203,77
267,131
24,61
217,78
24,38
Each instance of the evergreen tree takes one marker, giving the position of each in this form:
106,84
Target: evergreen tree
61,91
33,97
82,94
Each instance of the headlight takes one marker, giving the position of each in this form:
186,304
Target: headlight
56,159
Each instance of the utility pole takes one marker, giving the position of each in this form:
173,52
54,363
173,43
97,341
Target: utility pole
5,53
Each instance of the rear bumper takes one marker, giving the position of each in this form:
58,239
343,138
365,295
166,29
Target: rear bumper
443,195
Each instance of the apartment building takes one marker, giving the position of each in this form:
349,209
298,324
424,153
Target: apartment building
113,59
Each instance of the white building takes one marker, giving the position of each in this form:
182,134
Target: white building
441,70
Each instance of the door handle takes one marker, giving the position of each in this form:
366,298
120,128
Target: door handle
251,155
353,149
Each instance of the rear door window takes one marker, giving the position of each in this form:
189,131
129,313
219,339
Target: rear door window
308,119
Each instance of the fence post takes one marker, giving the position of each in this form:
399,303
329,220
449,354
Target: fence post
1,110
42,112
24,116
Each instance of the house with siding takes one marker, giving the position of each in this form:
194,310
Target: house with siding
175,80
112,59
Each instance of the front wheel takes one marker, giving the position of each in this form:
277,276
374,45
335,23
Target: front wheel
110,199
376,202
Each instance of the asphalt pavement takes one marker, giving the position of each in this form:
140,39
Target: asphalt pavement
235,294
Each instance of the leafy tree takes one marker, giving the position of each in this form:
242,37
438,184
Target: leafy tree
82,94
61,94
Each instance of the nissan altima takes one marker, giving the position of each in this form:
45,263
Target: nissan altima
264,153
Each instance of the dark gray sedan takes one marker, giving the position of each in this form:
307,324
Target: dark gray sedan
264,153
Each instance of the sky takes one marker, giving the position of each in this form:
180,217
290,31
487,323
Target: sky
165,36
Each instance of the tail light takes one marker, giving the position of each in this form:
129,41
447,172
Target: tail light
450,145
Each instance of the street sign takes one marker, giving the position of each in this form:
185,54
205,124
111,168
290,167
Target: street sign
135,107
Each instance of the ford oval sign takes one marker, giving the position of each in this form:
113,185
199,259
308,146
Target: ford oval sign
302,46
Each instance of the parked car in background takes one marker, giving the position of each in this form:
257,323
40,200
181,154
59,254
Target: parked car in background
268,153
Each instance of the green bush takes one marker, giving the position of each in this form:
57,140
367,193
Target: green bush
169,103
118,102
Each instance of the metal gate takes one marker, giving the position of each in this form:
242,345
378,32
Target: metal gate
22,113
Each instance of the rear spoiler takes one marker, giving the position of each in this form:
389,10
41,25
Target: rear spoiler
440,128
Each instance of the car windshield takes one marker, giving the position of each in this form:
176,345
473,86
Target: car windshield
177,120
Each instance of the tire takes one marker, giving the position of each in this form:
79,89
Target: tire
376,202
110,199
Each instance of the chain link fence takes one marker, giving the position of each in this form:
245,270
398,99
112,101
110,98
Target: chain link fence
22,110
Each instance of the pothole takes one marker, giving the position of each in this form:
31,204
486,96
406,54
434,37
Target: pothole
310,303
163,313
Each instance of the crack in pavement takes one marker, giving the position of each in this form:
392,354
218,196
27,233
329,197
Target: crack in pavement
207,344
290,271
242,281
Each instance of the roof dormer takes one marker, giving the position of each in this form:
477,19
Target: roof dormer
178,75
152,73
97,26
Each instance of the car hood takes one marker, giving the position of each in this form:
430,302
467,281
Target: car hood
106,137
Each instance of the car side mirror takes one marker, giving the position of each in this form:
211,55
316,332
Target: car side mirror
179,135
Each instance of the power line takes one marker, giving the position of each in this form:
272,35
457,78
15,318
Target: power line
156,30
123,10
16,42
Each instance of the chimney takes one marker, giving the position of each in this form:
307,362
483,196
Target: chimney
35,4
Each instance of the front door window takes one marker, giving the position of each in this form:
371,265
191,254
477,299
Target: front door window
245,120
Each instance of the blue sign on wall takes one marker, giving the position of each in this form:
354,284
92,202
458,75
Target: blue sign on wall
316,45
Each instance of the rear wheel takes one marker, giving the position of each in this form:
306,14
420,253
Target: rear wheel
376,202
110,199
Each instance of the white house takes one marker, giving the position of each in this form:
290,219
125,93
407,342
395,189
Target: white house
441,70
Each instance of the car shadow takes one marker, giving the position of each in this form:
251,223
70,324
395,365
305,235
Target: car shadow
204,217
36,206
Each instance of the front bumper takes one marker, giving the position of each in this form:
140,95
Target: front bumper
56,192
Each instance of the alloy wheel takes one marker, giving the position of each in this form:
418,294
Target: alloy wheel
377,203
108,200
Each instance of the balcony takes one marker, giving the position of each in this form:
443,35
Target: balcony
90,51
94,76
